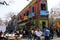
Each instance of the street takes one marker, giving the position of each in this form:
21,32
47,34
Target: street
52,39
55,38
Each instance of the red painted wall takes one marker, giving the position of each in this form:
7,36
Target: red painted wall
30,9
35,11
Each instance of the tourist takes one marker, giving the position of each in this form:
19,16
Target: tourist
47,34
38,34
24,33
17,35
51,32
34,34
30,34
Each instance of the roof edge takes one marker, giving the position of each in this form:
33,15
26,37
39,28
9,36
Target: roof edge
31,3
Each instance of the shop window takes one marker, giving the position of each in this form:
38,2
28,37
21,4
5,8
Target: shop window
27,13
43,6
32,9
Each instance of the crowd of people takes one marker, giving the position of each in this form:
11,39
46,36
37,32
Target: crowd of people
31,33
37,34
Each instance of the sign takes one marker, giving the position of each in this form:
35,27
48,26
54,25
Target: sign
31,15
43,12
25,17
58,24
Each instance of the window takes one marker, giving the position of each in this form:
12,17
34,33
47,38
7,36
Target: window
24,14
43,24
43,6
32,9
27,13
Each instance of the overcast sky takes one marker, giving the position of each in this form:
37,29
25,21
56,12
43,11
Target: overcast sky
17,5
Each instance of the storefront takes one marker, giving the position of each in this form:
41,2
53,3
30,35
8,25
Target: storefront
58,23
58,27
44,23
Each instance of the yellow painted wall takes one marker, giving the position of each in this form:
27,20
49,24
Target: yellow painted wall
45,21
25,17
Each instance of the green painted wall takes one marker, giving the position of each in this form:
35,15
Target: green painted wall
34,21
39,22
45,21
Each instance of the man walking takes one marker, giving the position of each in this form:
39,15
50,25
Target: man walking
47,34
30,34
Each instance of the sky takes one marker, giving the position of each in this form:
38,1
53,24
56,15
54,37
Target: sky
17,5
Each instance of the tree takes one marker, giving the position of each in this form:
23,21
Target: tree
9,15
5,22
11,23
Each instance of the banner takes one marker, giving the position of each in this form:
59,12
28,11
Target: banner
31,15
25,17
43,12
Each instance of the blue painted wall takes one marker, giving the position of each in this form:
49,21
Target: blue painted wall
43,12
31,14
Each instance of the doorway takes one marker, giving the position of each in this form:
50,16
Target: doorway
43,24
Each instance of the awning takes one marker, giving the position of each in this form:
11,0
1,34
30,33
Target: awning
21,24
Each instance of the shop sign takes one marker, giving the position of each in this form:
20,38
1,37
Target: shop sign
58,24
31,15
25,17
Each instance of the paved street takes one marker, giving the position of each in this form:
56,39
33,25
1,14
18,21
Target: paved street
55,38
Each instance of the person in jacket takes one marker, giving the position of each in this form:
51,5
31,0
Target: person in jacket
30,34
38,34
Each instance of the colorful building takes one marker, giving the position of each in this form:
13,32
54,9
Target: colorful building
57,22
36,12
